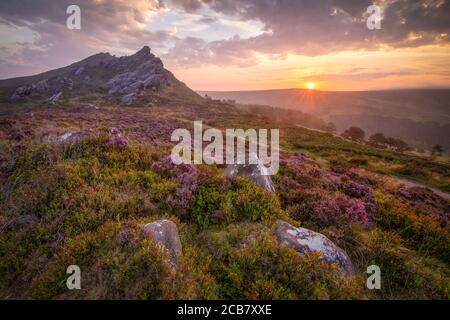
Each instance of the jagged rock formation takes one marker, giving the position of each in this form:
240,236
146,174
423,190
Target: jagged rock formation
35,88
122,79
165,234
306,241
146,72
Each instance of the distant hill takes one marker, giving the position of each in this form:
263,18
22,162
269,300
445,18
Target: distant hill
127,80
420,116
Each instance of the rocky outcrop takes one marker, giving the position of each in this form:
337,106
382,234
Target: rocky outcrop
255,172
36,88
165,234
145,72
122,79
306,241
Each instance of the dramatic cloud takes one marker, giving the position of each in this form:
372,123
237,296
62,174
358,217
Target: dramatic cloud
216,33
311,27
113,25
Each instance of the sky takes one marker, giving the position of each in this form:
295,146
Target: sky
241,44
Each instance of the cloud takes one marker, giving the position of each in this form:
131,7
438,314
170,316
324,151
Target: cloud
311,28
117,26
41,41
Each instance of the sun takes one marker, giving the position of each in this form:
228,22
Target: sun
311,85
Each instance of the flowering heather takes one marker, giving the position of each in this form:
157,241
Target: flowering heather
187,177
341,210
355,189
116,139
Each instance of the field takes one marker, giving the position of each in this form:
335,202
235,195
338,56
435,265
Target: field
82,201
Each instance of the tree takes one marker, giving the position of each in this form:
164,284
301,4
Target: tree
378,140
331,127
354,133
397,144
437,150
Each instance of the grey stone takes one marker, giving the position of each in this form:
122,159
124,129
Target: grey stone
306,241
253,171
35,88
55,97
165,234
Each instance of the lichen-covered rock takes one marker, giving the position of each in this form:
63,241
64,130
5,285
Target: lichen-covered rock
55,97
306,241
165,234
255,172
69,136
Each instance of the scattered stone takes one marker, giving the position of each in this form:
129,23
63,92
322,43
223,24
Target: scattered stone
306,241
128,99
165,234
85,108
79,71
67,136
55,97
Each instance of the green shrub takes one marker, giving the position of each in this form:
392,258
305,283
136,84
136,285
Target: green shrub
403,273
248,201
248,263
422,233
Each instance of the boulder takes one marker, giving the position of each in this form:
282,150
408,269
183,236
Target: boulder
55,97
165,234
255,172
33,89
69,136
306,241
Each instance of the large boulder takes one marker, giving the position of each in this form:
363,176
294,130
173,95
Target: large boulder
255,172
165,234
306,241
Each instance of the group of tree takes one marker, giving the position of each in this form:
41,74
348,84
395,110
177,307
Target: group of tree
378,140
354,133
437,150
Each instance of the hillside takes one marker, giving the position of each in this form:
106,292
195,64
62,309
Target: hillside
421,117
124,80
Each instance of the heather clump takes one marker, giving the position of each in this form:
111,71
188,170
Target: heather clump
116,139
341,210
187,178
249,263
357,190
420,232
426,203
